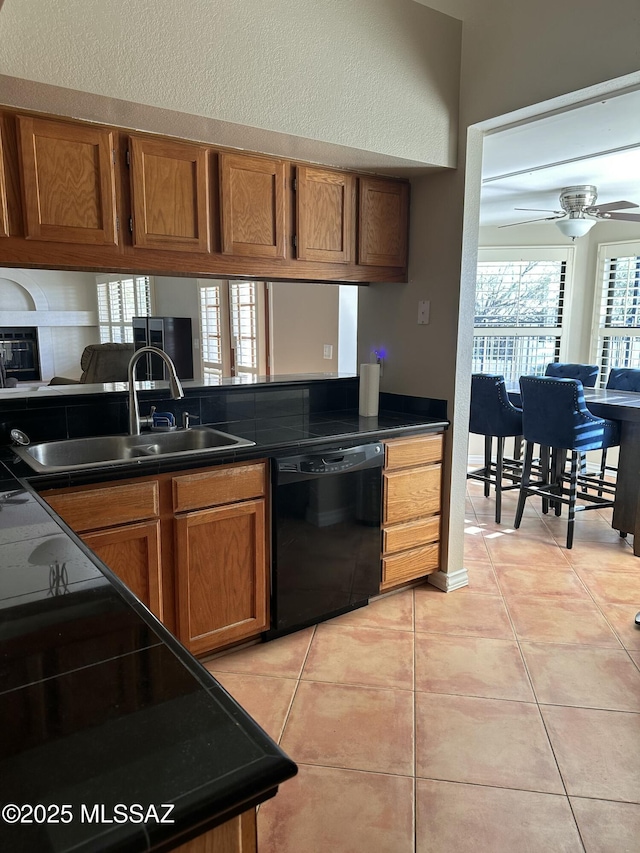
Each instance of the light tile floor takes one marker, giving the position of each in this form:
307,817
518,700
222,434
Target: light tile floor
502,717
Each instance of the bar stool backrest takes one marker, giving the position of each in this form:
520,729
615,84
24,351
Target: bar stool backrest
624,379
555,414
492,413
586,373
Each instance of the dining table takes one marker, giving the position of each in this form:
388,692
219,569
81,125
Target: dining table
624,407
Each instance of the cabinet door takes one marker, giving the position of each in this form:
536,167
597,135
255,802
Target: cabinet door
222,575
238,835
325,209
4,219
383,223
252,209
68,181
170,195
132,552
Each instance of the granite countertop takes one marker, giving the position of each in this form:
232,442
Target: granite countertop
102,706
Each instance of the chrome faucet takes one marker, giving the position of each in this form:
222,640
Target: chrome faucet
174,385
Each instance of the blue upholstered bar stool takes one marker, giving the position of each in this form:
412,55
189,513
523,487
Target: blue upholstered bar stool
623,379
555,415
585,373
494,416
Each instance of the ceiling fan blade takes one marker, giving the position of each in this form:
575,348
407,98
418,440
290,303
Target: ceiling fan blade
612,205
541,209
631,217
527,221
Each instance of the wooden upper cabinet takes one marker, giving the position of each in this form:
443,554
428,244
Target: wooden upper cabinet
252,206
68,181
383,222
325,215
4,218
170,195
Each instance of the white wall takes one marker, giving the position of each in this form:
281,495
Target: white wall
304,318
178,297
376,75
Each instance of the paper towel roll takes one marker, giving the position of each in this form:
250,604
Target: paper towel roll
369,390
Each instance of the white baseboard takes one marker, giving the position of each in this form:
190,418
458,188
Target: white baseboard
448,581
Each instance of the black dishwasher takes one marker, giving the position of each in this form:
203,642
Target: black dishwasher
326,534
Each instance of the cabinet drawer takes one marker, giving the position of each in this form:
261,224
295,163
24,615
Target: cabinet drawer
107,506
409,452
399,537
223,485
410,565
411,494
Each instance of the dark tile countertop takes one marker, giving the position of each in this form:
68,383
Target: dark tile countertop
272,436
101,705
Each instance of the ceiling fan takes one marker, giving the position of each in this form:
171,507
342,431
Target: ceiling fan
579,211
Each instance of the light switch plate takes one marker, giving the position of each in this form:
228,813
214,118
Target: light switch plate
328,351
424,309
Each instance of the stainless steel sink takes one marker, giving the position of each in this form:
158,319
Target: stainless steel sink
52,456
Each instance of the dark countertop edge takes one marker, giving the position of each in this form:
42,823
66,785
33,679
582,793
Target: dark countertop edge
150,467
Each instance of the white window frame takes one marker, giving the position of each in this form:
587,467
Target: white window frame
526,254
107,326
607,251
229,331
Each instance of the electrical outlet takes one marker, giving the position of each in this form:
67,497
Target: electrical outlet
424,309
328,351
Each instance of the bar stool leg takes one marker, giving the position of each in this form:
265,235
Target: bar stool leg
560,459
603,469
499,465
524,483
487,463
545,474
573,489
517,446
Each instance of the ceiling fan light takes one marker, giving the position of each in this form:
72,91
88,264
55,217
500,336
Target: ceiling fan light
575,227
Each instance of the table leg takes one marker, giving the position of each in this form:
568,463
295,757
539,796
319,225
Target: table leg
626,510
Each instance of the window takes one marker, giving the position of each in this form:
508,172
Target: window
617,323
119,301
233,328
520,302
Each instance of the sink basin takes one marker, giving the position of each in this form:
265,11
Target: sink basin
51,456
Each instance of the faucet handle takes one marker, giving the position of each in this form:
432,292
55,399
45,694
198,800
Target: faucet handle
147,420
186,418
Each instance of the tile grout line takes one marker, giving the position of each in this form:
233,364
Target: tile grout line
518,640
535,696
295,692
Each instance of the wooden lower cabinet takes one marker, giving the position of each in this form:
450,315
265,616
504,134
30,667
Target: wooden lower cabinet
221,578
237,835
132,551
411,509
191,546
